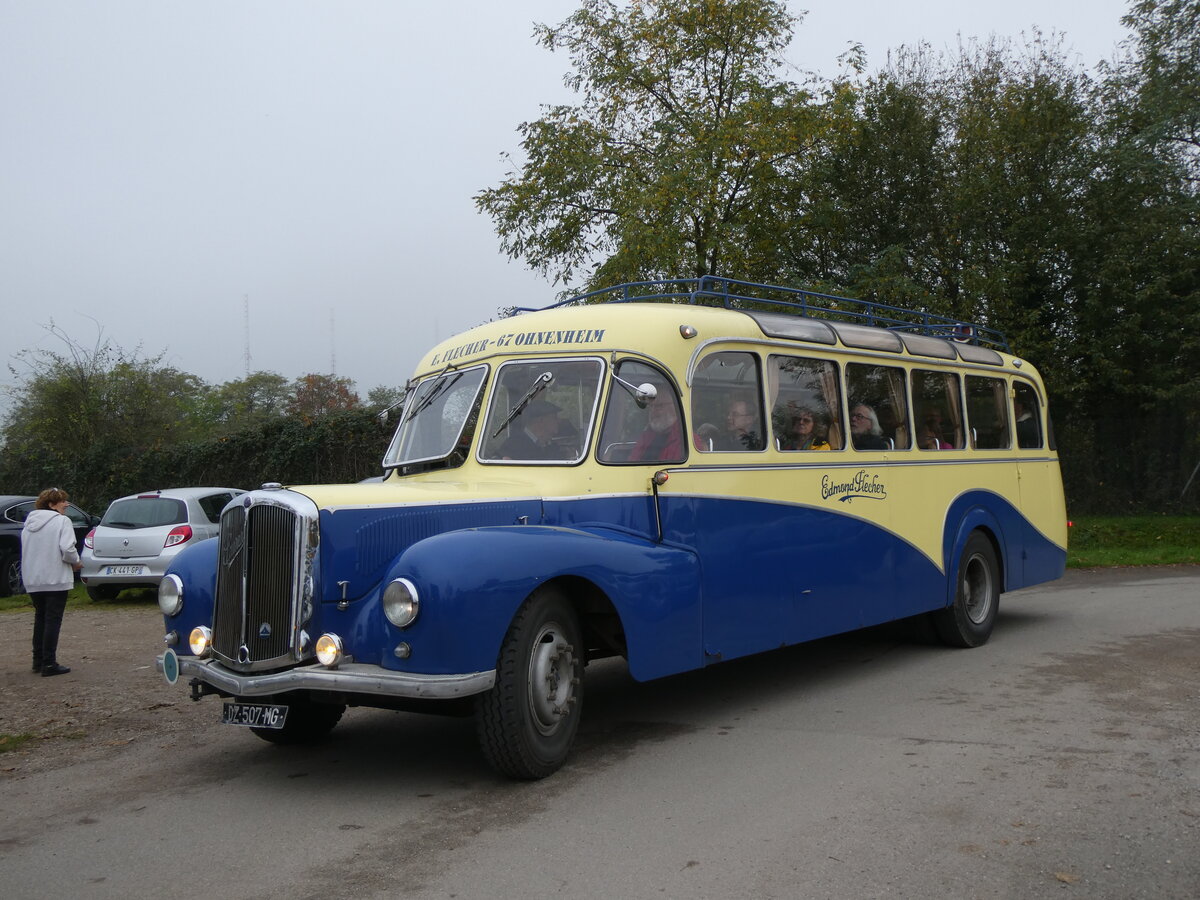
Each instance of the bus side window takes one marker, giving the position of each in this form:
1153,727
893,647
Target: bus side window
881,389
1027,414
987,413
727,403
806,412
645,433
937,410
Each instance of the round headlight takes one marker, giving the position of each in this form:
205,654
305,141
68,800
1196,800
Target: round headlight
200,640
170,595
329,650
400,602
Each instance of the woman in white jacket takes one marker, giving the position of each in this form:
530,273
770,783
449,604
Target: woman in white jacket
49,560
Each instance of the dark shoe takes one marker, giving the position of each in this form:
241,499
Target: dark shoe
54,669
37,665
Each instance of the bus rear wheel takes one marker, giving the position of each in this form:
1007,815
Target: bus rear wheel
968,621
527,722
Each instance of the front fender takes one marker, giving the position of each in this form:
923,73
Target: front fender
196,567
473,581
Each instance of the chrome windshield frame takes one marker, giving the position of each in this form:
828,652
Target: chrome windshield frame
413,410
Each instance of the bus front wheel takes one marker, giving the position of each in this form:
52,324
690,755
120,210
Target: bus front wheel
527,721
968,621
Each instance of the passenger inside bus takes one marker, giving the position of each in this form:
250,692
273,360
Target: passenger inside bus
534,438
1027,426
865,430
930,436
662,438
803,432
742,428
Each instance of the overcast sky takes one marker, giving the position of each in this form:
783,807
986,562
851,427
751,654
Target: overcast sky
164,165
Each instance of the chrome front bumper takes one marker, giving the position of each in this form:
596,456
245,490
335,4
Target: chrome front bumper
351,678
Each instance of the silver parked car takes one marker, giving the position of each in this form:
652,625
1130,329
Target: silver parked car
141,534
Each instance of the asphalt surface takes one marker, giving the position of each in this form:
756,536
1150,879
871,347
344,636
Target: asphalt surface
1060,759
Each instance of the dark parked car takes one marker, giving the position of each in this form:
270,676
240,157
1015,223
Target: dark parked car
13,510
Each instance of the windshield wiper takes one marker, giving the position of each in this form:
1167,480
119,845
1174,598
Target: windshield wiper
436,391
539,384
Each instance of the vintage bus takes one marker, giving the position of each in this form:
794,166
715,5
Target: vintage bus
677,473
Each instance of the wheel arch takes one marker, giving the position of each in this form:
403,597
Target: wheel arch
960,524
599,618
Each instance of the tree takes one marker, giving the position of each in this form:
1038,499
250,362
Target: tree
249,402
103,396
1157,84
666,165
384,396
316,395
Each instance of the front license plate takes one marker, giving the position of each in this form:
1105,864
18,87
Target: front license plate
254,715
124,570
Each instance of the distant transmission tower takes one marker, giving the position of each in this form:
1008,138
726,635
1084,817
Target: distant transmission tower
332,348
246,324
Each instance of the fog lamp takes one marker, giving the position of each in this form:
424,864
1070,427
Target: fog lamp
400,602
200,640
329,650
170,595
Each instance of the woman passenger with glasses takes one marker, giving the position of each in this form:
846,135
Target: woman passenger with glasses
802,434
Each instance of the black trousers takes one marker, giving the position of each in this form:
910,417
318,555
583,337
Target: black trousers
48,609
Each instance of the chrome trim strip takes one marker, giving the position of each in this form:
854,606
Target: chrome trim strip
353,678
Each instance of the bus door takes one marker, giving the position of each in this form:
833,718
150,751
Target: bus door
1040,486
750,551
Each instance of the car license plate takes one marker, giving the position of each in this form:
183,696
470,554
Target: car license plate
255,715
124,570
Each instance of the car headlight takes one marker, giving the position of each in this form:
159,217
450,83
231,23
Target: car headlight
170,595
400,602
200,640
329,650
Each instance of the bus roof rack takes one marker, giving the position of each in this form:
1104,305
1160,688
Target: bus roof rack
710,290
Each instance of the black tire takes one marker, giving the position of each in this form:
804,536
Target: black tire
10,574
968,621
307,721
527,722
103,591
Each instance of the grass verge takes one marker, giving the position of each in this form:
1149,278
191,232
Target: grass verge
1134,541
78,597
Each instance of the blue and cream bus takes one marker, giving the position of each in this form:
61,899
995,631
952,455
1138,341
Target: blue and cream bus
677,473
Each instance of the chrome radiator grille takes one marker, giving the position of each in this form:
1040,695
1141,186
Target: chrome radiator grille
257,585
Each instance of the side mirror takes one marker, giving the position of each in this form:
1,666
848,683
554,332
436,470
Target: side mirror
644,394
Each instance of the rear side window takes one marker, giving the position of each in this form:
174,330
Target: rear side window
20,511
987,413
213,504
805,408
145,512
727,403
1027,414
937,410
878,407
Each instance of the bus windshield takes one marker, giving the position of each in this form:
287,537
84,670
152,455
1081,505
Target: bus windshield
438,418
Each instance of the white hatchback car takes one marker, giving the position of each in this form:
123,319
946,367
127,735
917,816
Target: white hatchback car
141,534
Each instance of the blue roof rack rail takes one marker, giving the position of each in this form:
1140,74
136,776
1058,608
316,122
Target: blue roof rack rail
710,290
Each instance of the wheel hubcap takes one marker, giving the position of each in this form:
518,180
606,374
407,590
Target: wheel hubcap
551,678
976,587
